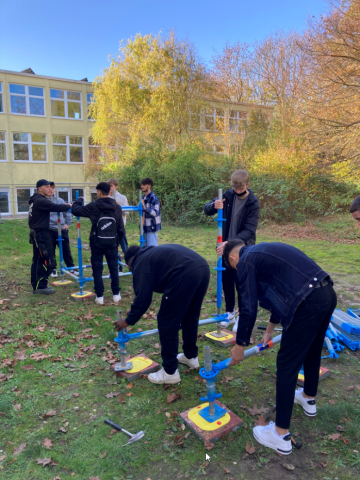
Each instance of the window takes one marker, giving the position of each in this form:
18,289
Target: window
68,149
93,194
65,104
1,99
4,201
214,119
26,100
80,193
237,121
29,147
2,147
22,199
95,151
90,97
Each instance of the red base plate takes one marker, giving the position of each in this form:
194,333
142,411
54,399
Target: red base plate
133,376
324,372
215,435
226,342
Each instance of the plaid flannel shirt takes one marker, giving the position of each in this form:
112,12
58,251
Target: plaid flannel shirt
152,221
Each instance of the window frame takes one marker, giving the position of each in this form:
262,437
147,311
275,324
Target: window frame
6,152
32,191
27,99
88,104
30,143
68,145
6,190
214,117
240,122
66,100
2,97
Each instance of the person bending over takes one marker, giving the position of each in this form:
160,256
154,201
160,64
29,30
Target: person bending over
241,211
182,276
106,232
355,209
66,220
301,297
44,261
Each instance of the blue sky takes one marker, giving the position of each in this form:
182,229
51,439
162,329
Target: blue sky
73,39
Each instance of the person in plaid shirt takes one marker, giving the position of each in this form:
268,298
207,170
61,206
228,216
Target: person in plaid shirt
151,215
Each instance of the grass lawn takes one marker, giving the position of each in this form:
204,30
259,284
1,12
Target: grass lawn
69,389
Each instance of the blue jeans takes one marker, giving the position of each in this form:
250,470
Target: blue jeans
151,239
124,244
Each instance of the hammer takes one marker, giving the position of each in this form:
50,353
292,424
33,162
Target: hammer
133,438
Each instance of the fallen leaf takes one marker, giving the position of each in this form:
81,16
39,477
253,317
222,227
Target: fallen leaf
323,464
167,414
334,436
17,407
20,355
332,402
19,449
112,394
130,385
47,443
103,455
112,431
350,388
62,430
339,428
128,394
346,442
94,478
76,394
27,367
261,421
157,345
43,461
250,449
256,411
228,379
225,469
288,466
208,445
172,397
52,413
2,457
121,398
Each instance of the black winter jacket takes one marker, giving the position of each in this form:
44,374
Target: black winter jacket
94,210
246,230
154,268
39,211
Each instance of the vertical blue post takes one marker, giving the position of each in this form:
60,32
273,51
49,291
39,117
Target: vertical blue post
142,239
219,268
79,247
60,240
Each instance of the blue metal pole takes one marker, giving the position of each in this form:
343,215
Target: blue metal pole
219,268
60,240
79,247
142,239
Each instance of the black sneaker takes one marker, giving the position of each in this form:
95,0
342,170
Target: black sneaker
44,291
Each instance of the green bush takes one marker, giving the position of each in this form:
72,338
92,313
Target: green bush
186,179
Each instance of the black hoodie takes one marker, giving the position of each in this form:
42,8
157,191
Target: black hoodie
39,211
153,268
94,210
249,220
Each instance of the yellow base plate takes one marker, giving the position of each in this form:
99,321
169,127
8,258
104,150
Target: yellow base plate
84,295
139,363
202,423
59,283
229,336
302,378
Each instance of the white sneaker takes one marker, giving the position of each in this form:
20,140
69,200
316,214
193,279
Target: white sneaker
99,300
235,327
268,437
54,274
161,377
190,362
231,318
117,298
74,272
309,405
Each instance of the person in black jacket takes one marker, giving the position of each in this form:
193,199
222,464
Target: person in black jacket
44,261
106,216
182,276
300,295
241,211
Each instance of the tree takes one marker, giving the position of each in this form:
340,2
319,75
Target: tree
147,95
333,88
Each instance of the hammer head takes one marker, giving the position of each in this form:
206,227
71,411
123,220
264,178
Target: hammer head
135,438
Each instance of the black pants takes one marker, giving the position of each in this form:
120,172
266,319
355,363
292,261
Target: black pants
43,262
69,262
97,258
301,345
181,305
124,243
229,286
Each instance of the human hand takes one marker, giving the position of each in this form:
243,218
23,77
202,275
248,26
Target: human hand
120,325
237,355
143,203
268,334
219,204
65,227
220,248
